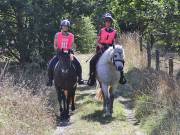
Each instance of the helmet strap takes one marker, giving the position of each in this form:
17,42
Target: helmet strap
65,33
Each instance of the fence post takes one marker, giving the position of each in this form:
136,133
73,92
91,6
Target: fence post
149,54
157,60
141,44
171,66
152,40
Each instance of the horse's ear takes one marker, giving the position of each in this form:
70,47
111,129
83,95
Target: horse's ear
69,51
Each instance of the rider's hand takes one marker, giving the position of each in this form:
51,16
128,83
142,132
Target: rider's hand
71,57
100,46
55,48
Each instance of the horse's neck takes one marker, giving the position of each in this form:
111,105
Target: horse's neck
106,57
64,62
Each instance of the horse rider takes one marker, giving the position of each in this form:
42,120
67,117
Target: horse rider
106,38
64,40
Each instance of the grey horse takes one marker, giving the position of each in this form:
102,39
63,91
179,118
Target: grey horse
108,69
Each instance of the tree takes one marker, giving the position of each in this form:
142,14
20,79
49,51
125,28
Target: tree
148,17
86,33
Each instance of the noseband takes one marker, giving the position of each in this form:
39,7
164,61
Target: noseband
115,60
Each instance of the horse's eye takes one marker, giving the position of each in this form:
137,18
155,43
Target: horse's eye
115,56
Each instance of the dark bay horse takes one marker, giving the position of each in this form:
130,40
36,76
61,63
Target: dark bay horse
65,80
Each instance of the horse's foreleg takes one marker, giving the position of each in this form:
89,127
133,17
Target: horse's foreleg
111,102
106,99
59,95
66,103
111,90
73,100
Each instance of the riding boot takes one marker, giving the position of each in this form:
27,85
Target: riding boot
51,66
122,78
79,71
92,74
50,77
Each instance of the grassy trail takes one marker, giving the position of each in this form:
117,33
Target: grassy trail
88,117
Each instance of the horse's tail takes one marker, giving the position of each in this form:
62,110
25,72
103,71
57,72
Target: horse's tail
99,95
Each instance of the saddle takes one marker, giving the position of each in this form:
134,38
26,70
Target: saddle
103,49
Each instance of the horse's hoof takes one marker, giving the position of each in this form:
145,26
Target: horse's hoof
61,110
61,118
107,115
67,117
72,108
80,82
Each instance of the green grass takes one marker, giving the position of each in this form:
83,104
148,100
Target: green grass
162,122
88,119
144,106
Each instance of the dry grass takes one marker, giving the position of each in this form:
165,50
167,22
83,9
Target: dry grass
22,113
133,56
157,104
157,95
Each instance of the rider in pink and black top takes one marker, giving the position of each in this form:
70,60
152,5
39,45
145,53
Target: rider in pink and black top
106,38
63,41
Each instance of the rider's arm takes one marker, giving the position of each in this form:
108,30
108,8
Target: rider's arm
116,39
98,39
56,42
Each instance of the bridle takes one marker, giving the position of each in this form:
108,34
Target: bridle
116,60
64,55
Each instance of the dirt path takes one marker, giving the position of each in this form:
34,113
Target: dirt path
130,114
88,120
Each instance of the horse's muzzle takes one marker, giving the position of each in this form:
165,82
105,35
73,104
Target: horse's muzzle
120,68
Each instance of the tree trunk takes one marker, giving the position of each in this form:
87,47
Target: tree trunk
21,46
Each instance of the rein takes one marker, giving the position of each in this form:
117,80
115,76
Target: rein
63,56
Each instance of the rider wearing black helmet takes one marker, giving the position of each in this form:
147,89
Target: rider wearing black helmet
63,40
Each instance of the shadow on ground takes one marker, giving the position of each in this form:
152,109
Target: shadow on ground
97,116
85,87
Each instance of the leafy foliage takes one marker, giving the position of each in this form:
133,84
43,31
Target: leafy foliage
28,27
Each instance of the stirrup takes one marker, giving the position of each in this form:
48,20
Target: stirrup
122,80
80,81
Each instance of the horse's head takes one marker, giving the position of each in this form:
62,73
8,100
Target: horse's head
64,60
118,57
